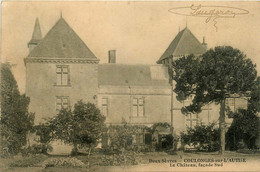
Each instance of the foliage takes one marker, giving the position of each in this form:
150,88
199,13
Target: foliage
58,127
36,149
44,131
254,101
130,158
83,126
186,70
88,124
245,126
121,135
29,161
121,143
16,121
204,137
166,141
159,124
218,72
61,162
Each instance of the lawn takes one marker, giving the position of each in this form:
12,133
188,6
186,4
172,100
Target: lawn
150,161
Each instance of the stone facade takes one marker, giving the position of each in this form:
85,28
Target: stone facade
42,88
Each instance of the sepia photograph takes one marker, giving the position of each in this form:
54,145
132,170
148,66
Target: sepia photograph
130,86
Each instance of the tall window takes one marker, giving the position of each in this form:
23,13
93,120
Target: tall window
191,120
138,107
62,75
62,103
138,139
105,106
148,138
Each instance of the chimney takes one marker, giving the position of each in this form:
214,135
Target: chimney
204,44
112,56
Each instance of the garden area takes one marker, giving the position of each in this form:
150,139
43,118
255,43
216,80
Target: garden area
100,162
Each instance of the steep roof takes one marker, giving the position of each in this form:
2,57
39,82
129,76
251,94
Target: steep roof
132,75
183,44
37,34
62,42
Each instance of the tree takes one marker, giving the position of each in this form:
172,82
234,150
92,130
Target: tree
59,127
217,74
16,121
88,124
83,126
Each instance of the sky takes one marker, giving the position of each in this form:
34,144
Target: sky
139,31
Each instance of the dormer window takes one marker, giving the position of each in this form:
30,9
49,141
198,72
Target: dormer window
62,72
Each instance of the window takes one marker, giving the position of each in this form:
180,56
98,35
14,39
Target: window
138,107
105,106
141,139
191,120
148,138
230,102
138,139
134,139
62,103
62,72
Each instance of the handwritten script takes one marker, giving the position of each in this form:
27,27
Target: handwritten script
211,13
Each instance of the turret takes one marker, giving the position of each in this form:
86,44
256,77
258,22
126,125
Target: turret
36,36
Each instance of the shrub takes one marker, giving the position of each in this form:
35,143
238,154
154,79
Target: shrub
204,137
67,162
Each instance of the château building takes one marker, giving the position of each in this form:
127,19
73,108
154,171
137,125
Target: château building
61,70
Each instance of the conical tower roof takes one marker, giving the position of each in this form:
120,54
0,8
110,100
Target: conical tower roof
62,42
184,43
37,34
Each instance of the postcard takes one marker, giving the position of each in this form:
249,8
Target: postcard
130,86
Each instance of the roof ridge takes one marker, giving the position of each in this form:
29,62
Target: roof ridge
184,43
180,33
194,36
185,29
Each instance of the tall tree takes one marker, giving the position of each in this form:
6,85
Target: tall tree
217,74
16,121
